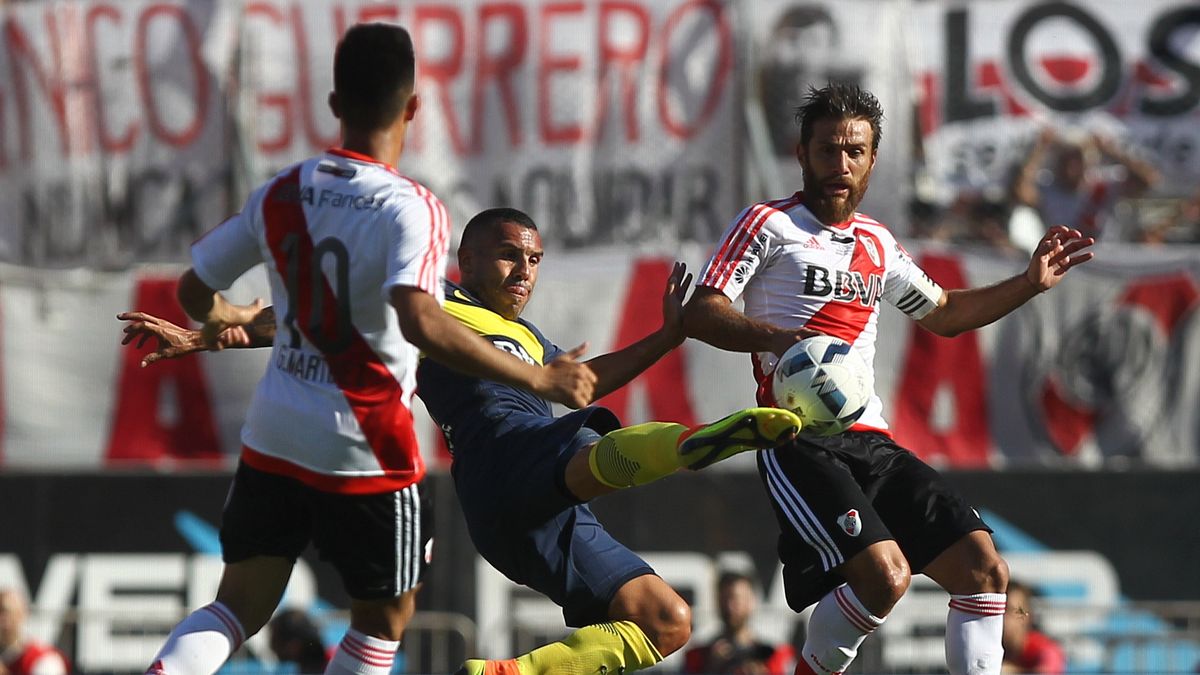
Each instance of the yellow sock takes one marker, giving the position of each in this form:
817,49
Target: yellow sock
612,646
636,455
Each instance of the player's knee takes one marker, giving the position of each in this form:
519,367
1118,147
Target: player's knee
893,582
882,586
880,581
673,626
992,574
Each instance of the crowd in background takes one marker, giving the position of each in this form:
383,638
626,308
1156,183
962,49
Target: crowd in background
1087,181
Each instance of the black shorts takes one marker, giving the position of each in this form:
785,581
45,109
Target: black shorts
379,543
835,496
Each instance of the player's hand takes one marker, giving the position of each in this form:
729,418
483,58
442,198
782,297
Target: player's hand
672,303
565,380
785,339
225,315
172,341
1059,250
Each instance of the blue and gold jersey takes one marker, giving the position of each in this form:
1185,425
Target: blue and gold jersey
467,407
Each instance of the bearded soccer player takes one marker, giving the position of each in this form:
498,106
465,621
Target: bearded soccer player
356,255
859,514
523,476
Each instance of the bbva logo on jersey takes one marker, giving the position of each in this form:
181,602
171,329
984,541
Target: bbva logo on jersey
843,285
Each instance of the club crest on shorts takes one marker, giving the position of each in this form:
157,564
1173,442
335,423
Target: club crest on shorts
850,523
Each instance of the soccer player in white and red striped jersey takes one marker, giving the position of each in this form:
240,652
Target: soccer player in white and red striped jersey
356,257
858,513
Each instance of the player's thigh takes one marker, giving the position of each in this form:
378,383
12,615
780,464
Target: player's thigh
824,516
522,485
922,509
379,543
570,559
265,514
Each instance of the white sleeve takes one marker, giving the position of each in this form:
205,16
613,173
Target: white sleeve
418,245
740,254
907,287
226,251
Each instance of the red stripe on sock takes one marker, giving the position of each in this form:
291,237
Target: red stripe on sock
371,660
368,648
980,608
230,625
851,613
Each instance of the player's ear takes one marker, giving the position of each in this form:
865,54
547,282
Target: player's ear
800,154
410,108
333,104
464,261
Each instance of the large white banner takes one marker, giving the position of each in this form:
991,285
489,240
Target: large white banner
127,129
114,129
1105,368
991,74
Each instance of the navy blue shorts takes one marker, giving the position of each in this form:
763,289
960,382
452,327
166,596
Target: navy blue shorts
525,523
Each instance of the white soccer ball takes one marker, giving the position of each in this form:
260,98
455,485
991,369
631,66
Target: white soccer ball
824,382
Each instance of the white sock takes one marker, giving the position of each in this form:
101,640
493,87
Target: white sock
839,624
200,643
973,631
360,654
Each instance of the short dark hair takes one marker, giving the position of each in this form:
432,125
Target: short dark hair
374,69
489,219
731,577
840,101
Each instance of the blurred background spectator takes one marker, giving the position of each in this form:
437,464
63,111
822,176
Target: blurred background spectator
1026,649
737,649
1078,182
19,654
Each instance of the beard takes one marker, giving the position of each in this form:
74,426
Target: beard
830,209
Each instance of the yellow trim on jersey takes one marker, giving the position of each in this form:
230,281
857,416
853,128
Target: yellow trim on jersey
486,322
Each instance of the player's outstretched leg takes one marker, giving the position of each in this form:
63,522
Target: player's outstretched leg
643,453
600,649
749,429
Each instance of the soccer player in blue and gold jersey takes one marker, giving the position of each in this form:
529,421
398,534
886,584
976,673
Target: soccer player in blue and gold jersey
524,476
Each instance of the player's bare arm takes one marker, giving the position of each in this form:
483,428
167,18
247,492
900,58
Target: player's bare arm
711,317
615,370
211,308
175,341
1061,249
442,338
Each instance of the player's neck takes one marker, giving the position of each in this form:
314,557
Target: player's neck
383,145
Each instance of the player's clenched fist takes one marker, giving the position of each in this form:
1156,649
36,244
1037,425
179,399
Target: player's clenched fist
565,380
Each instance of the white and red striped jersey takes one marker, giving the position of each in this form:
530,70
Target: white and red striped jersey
794,272
336,232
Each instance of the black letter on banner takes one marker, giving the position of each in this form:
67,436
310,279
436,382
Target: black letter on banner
1110,75
1161,48
958,58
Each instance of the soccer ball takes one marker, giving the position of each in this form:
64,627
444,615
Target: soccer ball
824,382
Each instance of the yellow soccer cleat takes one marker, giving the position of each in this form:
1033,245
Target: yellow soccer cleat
749,429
